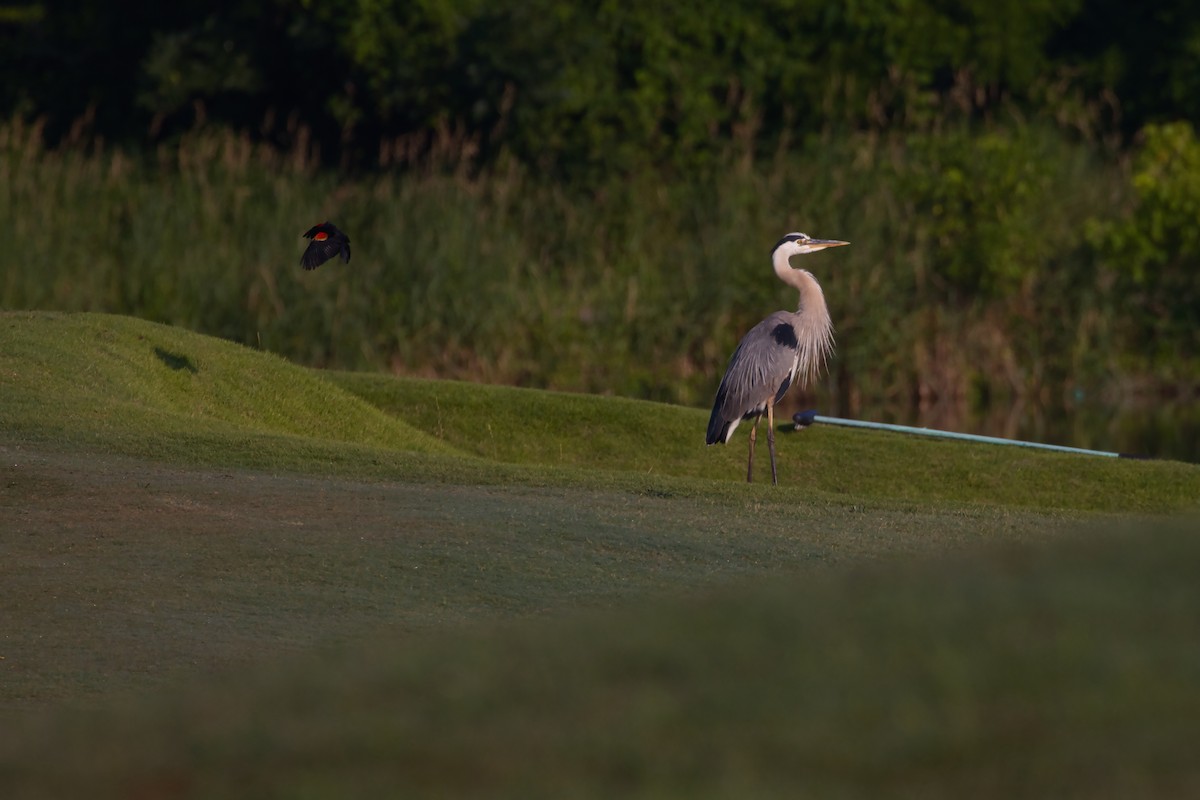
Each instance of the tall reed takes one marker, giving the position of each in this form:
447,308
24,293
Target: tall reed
966,280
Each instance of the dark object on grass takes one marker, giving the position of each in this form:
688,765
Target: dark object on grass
327,242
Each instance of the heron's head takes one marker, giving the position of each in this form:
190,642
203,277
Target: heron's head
799,243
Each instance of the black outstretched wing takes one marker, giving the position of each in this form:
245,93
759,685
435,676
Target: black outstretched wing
327,242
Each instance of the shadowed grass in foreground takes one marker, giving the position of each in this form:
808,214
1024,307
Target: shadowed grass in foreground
123,574
1068,670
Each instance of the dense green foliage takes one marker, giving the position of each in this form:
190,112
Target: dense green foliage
1153,254
588,88
982,265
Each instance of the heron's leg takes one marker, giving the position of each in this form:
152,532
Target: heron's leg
771,439
750,460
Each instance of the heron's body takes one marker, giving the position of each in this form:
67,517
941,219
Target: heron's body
750,383
785,348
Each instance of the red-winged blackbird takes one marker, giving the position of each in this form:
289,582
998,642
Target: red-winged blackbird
327,242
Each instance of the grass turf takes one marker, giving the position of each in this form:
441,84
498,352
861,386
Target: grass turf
274,581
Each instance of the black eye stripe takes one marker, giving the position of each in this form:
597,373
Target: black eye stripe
795,236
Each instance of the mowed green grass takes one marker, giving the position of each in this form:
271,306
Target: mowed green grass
573,431
262,580
1066,671
135,388
121,383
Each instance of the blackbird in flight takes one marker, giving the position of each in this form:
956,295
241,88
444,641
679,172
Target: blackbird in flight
327,242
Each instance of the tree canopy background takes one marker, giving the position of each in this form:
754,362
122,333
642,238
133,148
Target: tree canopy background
575,86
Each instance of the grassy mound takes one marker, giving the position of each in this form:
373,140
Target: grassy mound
139,387
128,386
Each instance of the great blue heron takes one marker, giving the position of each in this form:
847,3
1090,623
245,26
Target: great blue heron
327,242
784,347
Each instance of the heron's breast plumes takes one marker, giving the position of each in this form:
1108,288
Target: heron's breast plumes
814,328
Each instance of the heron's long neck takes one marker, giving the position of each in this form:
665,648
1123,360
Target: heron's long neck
814,328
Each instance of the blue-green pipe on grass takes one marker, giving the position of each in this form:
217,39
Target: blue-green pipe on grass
803,419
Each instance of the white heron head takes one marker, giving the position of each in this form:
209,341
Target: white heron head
799,243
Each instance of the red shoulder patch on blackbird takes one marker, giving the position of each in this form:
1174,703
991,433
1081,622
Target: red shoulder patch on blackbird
327,242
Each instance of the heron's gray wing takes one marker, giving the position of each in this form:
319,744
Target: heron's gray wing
761,367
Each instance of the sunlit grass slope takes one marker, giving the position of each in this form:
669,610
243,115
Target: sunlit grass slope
1065,671
587,431
138,387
